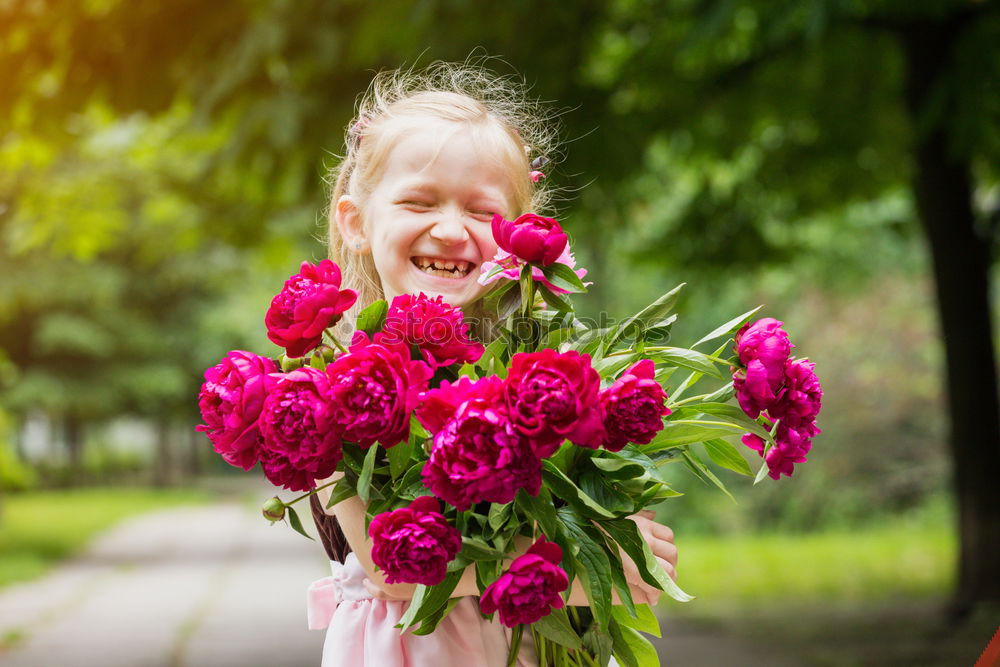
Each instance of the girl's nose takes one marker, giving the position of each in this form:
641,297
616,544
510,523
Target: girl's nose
449,229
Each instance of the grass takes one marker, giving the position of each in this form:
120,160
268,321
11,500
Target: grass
910,556
39,529
862,596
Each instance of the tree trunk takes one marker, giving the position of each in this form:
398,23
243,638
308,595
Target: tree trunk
961,260
73,435
162,462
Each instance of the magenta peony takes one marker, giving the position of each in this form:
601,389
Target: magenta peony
373,390
531,238
414,544
438,406
310,301
478,456
634,407
800,400
301,442
437,329
791,446
230,400
552,397
755,391
530,588
766,342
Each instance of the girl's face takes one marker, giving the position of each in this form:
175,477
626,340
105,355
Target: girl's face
427,222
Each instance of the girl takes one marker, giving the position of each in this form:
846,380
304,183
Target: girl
430,159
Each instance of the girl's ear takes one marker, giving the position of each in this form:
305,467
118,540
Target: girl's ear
351,225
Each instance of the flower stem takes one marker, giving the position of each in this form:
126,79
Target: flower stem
309,493
333,339
515,644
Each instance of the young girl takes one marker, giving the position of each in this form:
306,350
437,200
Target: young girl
430,159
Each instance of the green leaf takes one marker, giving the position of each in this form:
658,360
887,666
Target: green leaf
563,277
762,472
696,361
475,549
724,412
428,600
654,312
429,624
371,319
399,458
541,509
342,490
618,468
499,514
699,468
726,455
508,303
571,493
641,648
685,432
365,478
594,570
619,647
557,301
601,489
294,522
626,533
556,627
729,327
644,619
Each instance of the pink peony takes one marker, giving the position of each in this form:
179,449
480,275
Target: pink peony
552,397
802,397
437,329
414,544
634,407
301,440
230,400
373,390
310,301
530,588
478,456
531,238
512,269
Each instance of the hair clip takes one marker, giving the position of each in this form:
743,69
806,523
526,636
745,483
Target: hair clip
358,128
536,165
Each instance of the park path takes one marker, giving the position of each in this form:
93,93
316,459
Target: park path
211,586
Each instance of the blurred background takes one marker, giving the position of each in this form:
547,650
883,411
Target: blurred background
162,171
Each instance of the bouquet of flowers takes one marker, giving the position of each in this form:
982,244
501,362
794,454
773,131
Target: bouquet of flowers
551,434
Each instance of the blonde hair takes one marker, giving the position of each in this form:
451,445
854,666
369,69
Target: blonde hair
497,107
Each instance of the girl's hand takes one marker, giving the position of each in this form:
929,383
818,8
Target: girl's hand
661,541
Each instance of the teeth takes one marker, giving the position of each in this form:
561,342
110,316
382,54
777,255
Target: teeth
441,267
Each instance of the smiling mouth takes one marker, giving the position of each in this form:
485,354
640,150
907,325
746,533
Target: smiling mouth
443,268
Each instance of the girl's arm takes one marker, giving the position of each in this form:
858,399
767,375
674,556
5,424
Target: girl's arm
350,514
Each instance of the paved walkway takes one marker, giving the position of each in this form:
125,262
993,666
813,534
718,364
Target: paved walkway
210,586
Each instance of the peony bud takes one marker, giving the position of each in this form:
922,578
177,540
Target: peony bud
274,509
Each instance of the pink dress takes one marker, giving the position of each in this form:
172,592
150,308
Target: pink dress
360,630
